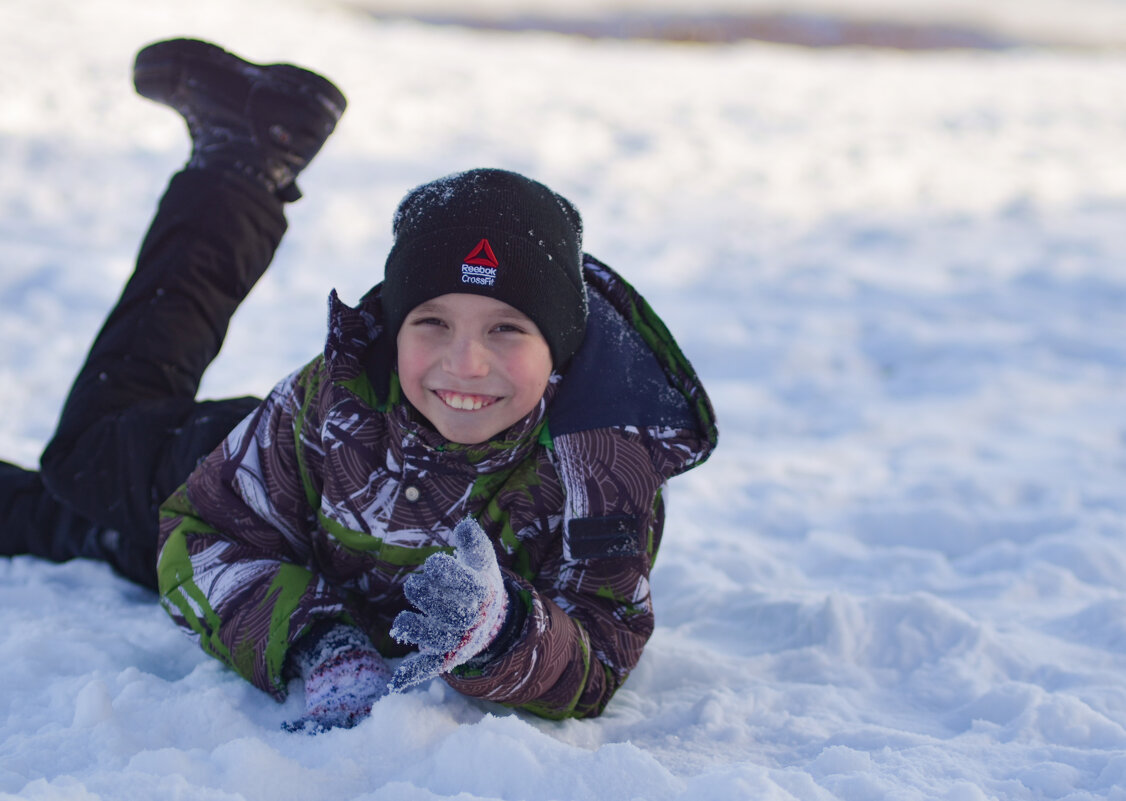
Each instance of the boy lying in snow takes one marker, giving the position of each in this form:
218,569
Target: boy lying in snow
470,475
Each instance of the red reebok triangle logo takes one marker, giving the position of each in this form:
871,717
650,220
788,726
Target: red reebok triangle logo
482,255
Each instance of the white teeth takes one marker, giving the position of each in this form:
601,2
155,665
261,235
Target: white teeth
463,402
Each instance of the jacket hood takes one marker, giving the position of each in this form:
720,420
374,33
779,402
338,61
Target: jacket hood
630,372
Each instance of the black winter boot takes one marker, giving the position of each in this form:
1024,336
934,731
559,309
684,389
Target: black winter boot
265,121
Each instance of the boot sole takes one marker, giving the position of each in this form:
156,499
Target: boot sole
161,68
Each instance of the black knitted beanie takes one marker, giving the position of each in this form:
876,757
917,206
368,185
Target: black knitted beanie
494,233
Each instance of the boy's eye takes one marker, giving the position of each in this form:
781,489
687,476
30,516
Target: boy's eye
508,328
427,321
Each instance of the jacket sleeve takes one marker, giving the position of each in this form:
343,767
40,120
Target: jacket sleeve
234,565
588,605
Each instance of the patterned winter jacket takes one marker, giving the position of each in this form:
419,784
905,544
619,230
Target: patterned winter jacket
321,503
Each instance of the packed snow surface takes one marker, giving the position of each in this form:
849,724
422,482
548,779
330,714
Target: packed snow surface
902,278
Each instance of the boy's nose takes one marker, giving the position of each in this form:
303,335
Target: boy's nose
467,358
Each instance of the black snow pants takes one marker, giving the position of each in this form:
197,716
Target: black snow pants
131,429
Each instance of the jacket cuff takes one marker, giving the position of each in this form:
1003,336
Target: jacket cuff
511,631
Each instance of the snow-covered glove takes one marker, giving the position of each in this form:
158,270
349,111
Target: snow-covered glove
463,606
343,674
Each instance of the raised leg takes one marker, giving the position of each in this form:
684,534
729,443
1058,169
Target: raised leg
131,429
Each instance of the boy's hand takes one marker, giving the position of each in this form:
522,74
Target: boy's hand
462,604
344,677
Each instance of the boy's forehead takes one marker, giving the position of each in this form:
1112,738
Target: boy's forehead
464,302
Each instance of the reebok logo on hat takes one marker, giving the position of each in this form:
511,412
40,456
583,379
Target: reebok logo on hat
480,266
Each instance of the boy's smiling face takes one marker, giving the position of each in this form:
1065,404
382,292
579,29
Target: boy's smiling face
472,365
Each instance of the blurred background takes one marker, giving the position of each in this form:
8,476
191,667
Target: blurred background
908,24
895,255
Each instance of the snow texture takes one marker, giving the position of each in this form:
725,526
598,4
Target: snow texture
902,277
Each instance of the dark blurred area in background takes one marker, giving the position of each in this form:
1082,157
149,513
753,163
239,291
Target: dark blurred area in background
808,30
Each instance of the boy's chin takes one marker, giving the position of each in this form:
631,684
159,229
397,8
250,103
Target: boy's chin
472,428
470,434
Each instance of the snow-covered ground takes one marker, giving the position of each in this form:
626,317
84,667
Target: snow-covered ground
903,279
